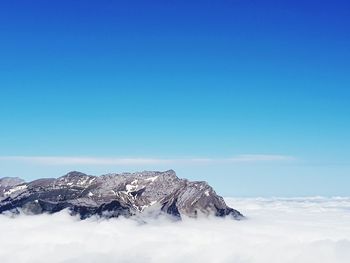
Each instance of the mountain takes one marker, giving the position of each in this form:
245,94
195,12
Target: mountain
113,195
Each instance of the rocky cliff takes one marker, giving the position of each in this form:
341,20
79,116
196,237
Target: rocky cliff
113,195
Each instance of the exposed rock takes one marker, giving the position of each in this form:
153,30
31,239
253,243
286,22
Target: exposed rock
114,195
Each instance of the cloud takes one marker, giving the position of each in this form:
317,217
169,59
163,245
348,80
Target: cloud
277,231
71,160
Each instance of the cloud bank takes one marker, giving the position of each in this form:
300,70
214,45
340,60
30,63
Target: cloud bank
71,160
277,231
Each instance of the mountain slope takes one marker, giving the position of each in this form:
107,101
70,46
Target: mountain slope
113,195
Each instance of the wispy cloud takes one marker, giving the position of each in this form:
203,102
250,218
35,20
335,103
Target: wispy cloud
76,160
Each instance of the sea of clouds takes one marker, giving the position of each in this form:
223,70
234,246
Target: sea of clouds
297,230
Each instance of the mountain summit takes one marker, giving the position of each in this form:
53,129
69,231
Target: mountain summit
113,195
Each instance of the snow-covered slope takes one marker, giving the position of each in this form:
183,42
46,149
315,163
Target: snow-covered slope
113,195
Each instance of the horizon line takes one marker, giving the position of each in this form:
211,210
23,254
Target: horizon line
89,160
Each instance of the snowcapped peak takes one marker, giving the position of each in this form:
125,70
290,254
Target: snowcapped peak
10,181
115,195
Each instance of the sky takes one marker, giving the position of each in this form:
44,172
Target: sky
251,96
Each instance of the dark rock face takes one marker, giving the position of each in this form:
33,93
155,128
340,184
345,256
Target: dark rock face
114,195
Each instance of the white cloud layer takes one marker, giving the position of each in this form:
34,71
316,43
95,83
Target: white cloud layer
71,160
277,231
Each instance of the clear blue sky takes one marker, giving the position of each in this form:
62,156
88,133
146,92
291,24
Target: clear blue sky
180,80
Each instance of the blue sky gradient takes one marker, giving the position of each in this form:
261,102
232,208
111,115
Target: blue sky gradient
177,80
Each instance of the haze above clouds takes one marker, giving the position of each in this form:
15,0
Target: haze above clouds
276,231
67,160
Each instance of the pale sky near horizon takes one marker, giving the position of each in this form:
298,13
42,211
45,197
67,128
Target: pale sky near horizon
251,96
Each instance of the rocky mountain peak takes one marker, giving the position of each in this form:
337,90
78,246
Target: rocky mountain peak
10,181
113,195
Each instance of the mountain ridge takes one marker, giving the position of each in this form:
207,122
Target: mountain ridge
114,195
